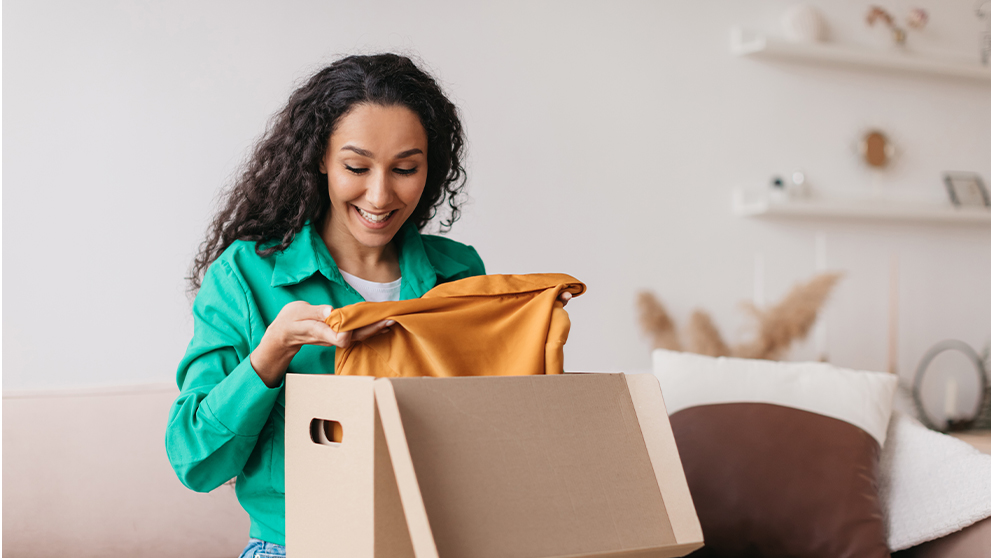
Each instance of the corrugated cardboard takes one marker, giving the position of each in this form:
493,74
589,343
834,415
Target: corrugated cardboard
573,465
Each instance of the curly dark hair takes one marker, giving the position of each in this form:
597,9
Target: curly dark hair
281,187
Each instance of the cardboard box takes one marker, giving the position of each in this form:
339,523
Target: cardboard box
573,465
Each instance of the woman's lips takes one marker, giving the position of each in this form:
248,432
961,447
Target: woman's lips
373,220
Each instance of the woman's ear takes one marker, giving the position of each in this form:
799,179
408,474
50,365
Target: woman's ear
323,166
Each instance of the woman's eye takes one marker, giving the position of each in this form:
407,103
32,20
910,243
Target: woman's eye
405,172
356,170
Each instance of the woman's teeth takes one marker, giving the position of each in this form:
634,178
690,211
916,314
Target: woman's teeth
373,218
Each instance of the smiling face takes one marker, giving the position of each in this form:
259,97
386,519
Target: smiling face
376,167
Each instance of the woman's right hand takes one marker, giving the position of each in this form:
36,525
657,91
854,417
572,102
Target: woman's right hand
300,323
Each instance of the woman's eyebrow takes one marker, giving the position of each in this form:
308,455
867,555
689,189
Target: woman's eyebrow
358,150
408,152
367,153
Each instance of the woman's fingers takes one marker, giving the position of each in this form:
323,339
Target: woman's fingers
305,311
564,297
306,326
301,310
322,334
363,333
319,333
343,339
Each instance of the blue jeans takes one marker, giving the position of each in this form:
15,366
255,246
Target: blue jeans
258,548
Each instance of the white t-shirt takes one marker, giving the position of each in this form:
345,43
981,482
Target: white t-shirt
372,291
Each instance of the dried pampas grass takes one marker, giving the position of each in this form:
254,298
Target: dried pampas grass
703,336
777,327
656,322
789,320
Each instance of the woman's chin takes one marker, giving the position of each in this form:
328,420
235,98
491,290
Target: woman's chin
374,240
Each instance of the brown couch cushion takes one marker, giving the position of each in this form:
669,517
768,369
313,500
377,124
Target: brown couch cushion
769,480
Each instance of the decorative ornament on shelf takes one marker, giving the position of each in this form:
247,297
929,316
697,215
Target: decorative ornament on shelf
984,12
803,24
778,192
797,188
916,19
966,189
876,149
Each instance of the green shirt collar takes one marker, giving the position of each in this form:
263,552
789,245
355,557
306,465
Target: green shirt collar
306,255
421,266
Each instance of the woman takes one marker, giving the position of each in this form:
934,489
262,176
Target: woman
326,213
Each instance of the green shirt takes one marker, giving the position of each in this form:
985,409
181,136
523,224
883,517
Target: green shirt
226,422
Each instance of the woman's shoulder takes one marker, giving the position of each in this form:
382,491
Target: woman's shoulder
244,253
240,261
461,253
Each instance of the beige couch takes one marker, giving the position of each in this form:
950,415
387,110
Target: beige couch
85,475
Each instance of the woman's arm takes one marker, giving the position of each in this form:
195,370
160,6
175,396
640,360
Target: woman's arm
228,390
223,404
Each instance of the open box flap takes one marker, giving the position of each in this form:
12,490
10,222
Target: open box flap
542,465
402,465
645,391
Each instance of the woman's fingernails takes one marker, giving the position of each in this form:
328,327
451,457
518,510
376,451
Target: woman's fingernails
384,330
326,311
389,323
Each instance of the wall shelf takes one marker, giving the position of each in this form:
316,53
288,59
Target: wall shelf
745,43
868,209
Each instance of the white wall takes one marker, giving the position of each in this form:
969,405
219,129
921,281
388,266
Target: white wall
605,140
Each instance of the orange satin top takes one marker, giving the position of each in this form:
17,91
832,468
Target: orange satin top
488,325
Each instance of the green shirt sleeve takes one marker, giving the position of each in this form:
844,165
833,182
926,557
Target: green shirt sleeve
223,404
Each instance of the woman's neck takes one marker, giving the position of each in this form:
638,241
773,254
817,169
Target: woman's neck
372,263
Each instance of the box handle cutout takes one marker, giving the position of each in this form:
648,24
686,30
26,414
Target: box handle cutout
326,432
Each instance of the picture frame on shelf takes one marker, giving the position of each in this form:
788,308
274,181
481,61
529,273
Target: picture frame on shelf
966,189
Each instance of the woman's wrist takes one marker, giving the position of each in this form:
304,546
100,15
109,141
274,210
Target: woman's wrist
270,360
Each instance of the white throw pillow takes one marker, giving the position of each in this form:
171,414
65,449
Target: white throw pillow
862,399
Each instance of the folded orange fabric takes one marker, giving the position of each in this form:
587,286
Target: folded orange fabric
489,325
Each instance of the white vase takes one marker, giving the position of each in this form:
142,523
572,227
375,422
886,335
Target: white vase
803,24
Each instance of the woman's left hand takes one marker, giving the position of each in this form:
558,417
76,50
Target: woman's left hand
564,297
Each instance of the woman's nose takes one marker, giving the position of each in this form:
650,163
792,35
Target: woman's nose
379,193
